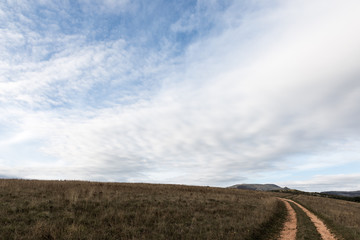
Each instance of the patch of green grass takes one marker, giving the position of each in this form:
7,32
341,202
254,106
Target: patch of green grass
306,229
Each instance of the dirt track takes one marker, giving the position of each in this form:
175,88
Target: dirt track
289,230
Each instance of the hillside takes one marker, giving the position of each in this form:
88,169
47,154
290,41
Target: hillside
89,210
31,209
343,193
258,187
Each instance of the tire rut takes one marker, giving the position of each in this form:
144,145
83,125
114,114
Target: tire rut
286,234
290,227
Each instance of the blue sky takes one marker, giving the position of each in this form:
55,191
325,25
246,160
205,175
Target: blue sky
191,92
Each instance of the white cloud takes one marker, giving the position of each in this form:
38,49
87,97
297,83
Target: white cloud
66,75
274,84
337,182
106,6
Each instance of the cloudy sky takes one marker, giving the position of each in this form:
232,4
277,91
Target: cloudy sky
199,92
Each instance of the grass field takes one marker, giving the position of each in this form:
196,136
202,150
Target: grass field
341,216
32,209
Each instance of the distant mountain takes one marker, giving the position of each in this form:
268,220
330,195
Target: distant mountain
343,193
258,187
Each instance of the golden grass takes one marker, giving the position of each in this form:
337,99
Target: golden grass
32,209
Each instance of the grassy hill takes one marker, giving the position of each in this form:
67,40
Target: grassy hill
31,209
89,210
257,187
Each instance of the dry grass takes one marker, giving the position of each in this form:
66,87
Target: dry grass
87,210
341,216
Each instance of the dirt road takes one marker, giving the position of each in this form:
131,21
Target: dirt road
289,229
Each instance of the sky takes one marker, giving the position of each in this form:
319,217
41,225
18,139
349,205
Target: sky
197,92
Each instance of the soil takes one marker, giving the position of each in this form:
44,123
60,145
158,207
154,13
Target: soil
289,230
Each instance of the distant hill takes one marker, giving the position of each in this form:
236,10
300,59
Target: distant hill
258,187
343,193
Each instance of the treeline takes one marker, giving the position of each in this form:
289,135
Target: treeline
352,199
293,191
